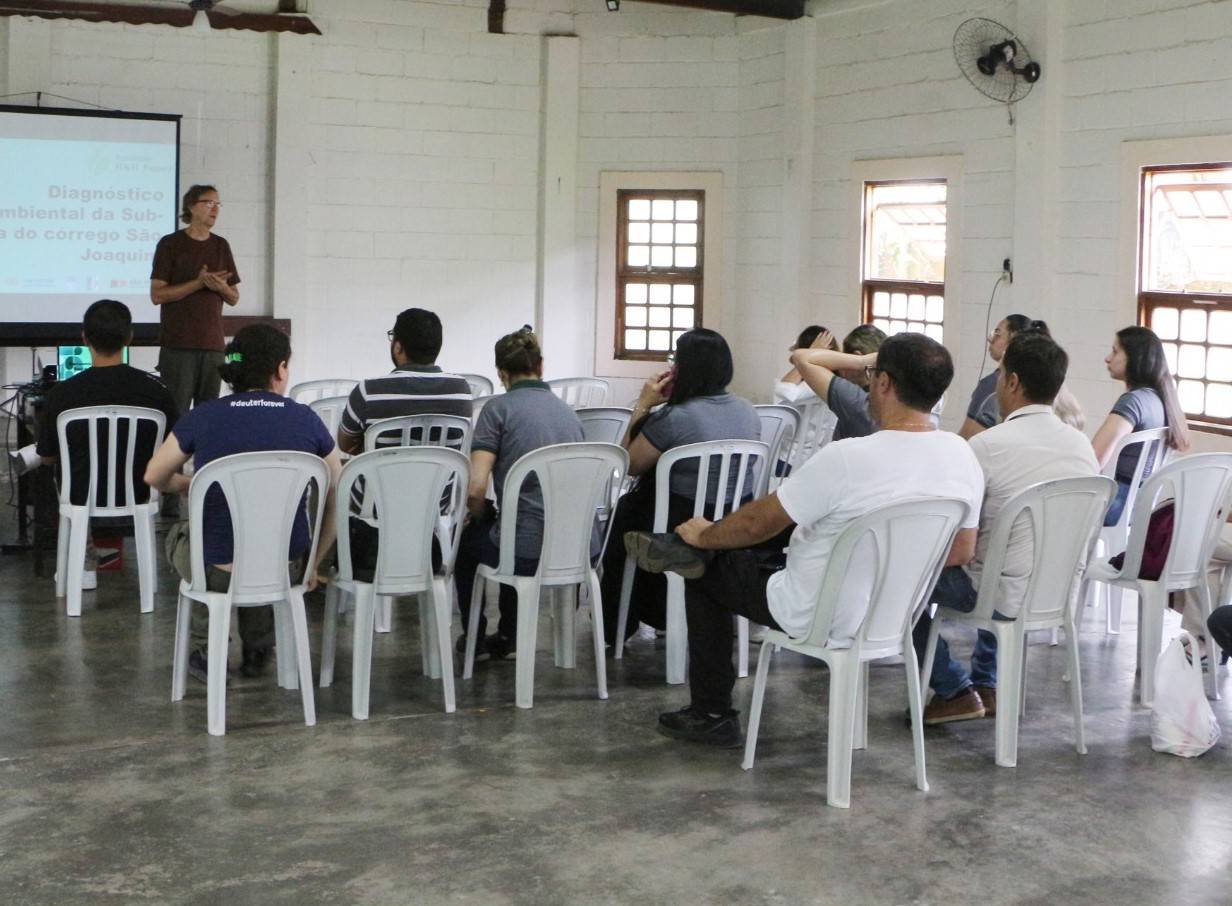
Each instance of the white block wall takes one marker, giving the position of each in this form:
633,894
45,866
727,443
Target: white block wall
423,159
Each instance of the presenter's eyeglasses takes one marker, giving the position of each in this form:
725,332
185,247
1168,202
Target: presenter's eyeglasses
211,204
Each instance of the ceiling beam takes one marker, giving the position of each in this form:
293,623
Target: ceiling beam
89,11
775,9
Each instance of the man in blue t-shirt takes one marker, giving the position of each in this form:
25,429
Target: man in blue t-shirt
256,418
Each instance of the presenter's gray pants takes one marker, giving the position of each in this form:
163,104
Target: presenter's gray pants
190,374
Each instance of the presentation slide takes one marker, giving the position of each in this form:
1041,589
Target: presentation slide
83,201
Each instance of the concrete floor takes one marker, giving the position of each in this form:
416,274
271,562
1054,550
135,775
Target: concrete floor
112,794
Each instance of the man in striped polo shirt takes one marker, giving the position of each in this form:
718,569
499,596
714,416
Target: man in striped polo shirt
416,386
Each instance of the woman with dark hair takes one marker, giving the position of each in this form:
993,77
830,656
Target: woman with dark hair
526,417
695,407
1149,401
790,388
841,379
256,417
983,411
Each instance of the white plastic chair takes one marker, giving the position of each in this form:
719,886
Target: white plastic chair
1152,455
264,492
1063,518
477,405
307,391
816,429
779,426
742,465
330,409
907,543
480,385
604,424
429,430
572,479
1198,486
407,485
121,466
580,392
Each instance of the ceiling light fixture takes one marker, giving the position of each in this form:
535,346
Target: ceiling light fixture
613,6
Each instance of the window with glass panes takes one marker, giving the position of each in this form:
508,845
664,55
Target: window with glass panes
1185,282
903,266
658,271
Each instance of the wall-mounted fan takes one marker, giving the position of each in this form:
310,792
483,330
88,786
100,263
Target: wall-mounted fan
995,61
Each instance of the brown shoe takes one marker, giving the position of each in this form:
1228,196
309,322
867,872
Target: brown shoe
988,695
965,706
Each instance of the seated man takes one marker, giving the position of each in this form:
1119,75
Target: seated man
1031,445
839,379
907,457
256,417
416,386
106,329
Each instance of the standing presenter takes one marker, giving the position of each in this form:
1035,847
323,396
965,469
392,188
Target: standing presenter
193,275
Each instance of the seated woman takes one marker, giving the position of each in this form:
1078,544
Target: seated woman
790,389
839,378
696,407
982,411
526,417
257,417
1149,401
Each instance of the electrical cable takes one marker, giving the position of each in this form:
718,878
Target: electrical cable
988,321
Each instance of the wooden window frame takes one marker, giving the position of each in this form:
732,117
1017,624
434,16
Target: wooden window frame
869,286
1149,300
626,274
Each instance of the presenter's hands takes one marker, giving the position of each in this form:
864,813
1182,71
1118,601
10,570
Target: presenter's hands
215,280
691,531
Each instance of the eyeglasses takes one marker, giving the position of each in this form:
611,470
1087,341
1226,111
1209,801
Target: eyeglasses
870,372
390,335
211,204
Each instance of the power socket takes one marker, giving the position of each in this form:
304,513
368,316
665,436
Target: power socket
1007,270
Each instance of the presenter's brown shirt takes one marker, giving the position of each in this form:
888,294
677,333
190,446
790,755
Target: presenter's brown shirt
194,322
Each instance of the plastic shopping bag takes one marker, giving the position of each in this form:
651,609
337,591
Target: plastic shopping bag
1182,721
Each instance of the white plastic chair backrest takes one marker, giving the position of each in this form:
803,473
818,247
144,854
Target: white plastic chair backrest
817,423
478,403
908,543
1198,486
307,391
1153,453
604,424
736,469
580,392
480,385
264,492
121,465
779,426
408,486
573,479
1063,518
428,430
329,409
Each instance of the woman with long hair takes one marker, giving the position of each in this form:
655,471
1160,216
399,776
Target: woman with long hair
1149,401
691,404
791,389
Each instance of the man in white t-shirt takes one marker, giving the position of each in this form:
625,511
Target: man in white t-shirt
906,458
1031,445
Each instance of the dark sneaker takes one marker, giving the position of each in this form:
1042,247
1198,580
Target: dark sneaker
105,557
665,552
255,660
500,647
964,706
988,696
696,726
199,666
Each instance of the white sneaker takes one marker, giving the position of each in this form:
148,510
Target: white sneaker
89,579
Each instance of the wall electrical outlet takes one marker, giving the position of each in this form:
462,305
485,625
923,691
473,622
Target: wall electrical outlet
1007,270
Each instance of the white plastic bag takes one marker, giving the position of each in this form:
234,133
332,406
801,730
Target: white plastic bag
1182,721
